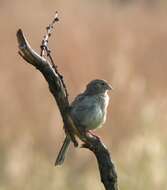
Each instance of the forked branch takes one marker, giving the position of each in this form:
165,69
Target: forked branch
52,76
59,92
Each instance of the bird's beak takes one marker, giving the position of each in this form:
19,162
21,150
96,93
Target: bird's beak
110,87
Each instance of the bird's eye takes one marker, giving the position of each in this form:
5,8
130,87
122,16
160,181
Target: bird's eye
103,83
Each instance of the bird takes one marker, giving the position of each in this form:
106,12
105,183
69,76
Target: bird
88,111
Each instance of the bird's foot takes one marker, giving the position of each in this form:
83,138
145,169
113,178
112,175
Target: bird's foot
90,133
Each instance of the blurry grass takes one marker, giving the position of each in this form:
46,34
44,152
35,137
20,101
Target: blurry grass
126,45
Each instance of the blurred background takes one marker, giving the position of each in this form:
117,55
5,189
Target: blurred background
122,41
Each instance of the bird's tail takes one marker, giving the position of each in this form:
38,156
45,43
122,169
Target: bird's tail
63,150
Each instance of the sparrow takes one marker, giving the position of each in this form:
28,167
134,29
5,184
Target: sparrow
88,111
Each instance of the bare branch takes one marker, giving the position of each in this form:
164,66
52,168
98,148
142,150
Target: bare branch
59,91
106,166
52,77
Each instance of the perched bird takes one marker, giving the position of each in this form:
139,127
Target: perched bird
88,111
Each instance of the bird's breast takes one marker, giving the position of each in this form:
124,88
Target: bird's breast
90,111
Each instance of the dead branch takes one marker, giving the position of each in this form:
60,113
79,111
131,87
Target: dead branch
51,75
59,92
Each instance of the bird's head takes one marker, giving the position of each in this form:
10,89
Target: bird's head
98,86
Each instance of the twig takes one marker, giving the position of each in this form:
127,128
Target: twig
46,50
44,46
